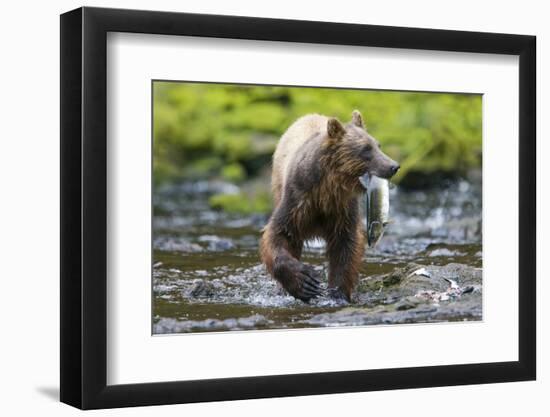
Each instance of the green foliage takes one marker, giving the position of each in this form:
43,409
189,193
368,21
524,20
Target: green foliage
233,172
241,203
229,131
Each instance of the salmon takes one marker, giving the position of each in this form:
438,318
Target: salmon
377,207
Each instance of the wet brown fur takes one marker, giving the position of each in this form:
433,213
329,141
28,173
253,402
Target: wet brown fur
315,189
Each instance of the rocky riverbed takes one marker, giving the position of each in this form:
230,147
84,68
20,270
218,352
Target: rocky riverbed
207,275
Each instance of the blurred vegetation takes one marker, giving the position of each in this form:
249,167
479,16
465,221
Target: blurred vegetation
244,202
230,131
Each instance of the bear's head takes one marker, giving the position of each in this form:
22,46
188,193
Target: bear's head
354,152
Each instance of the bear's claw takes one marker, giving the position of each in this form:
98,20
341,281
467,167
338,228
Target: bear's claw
310,285
298,279
308,290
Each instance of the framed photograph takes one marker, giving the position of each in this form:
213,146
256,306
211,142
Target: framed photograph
257,208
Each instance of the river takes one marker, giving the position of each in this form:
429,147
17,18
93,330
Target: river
207,275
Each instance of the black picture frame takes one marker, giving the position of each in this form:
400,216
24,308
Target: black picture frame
84,207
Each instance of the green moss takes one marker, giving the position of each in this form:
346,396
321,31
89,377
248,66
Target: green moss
235,124
233,146
163,173
241,203
202,167
233,172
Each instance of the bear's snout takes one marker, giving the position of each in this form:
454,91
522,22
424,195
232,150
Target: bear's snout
394,169
384,167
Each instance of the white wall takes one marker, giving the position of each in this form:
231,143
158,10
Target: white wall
29,238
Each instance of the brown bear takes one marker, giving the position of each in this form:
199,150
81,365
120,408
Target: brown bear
316,190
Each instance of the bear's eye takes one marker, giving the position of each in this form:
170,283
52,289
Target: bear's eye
366,152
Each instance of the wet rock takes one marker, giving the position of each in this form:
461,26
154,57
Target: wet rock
407,303
167,325
230,323
398,245
463,274
444,252
252,321
421,313
468,289
202,289
216,243
163,288
171,325
175,244
439,293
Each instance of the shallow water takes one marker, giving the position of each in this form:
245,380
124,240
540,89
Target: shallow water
207,275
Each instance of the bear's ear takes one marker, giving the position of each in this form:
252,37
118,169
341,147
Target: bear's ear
357,119
335,129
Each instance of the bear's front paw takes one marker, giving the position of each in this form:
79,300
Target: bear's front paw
300,280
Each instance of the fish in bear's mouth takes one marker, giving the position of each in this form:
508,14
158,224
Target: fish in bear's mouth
364,180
